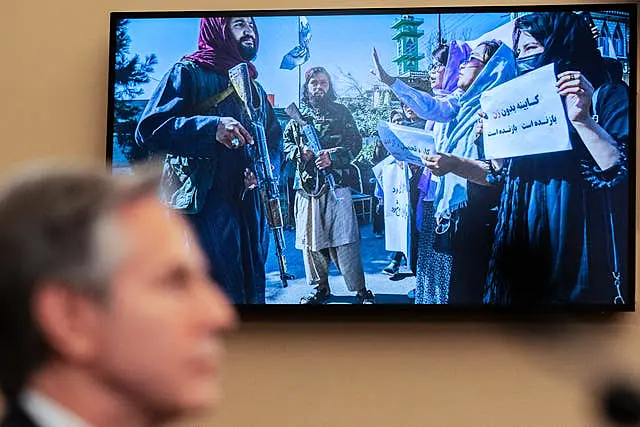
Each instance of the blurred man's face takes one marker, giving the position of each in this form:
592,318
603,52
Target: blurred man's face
160,337
244,32
318,86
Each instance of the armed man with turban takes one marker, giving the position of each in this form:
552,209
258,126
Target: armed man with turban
196,120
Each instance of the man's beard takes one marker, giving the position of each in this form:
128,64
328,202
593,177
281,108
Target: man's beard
247,52
318,99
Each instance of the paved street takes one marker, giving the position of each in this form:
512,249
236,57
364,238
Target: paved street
375,258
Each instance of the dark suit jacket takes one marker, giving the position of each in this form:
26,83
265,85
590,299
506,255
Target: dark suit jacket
16,417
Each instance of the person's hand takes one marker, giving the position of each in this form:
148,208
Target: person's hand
439,164
250,179
306,153
595,31
324,159
477,128
577,91
232,134
378,71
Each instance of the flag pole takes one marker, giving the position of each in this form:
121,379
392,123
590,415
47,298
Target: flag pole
299,69
299,84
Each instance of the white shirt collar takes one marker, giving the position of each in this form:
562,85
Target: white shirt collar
46,412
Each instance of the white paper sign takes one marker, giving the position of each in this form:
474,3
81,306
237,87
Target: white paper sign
525,116
393,180
406,143
379,167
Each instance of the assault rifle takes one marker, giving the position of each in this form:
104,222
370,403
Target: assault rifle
313,142
259,155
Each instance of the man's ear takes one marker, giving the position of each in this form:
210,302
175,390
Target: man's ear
68,321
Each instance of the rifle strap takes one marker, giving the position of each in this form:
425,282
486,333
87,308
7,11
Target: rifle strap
213,101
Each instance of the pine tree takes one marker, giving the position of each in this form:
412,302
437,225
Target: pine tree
130,73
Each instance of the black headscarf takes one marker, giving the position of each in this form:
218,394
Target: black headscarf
568,42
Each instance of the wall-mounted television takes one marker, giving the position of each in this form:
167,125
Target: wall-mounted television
433,159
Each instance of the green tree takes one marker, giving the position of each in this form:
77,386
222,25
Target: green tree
131,72
360,102
366,118
430,41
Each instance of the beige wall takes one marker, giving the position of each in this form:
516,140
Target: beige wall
54,85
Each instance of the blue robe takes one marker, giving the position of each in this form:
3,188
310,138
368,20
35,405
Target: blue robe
232,231
558,216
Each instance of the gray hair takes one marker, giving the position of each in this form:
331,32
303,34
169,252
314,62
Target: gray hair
56,224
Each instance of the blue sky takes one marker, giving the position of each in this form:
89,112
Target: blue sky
339,42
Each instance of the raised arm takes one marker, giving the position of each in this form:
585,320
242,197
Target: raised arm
422,103
441,109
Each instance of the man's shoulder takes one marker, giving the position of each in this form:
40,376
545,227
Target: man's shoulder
291,124
260,87
187,65
307,114
341,112
16,417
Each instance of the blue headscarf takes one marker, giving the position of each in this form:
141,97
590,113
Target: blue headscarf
452,189
458,53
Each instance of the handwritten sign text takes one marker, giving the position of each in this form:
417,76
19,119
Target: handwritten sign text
532,123
405,143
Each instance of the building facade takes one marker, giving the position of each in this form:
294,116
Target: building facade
406,37
614,38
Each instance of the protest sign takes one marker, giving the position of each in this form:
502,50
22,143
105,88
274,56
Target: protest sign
393,177
525,116
406,143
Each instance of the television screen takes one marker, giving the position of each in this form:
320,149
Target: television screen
476,158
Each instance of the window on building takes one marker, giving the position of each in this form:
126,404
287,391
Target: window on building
603,41
618,42
411,45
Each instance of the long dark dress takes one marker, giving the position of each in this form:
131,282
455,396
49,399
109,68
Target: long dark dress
232,231
470,205
472,243
554,232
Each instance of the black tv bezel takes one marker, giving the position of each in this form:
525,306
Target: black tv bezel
411,312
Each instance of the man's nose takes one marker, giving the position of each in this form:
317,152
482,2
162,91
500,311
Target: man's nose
248,31
221,314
